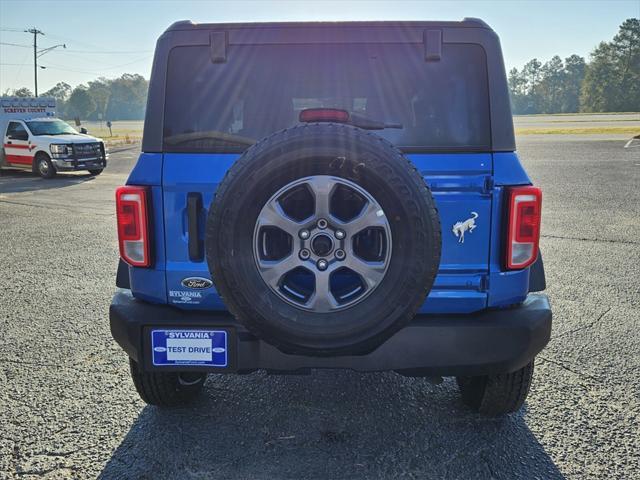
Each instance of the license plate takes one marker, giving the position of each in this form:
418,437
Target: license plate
189,347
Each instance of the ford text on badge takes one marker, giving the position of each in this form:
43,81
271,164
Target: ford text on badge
196,282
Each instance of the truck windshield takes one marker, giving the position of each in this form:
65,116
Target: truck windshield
259,89
50,127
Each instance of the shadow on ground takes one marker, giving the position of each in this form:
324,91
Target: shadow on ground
332,424
15,181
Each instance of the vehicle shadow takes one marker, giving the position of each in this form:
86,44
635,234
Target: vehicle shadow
16,181
332,424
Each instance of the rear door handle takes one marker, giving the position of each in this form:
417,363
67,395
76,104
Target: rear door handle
194,207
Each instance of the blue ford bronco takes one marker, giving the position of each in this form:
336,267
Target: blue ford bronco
330,195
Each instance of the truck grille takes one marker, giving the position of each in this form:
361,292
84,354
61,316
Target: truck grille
87,150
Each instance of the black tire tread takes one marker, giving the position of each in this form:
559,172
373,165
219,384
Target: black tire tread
162,389
496,395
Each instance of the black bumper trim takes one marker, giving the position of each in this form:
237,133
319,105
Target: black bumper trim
488,342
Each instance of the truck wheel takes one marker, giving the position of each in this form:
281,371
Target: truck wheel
323,239
96,172
166,389
497,395
42,166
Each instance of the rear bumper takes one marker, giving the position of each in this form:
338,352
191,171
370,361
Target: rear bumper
489,342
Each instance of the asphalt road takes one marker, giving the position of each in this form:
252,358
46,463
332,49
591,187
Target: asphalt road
68,408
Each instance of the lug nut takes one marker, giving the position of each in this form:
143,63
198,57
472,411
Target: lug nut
340,234
304,234
322,224
340,254
322,264
304,254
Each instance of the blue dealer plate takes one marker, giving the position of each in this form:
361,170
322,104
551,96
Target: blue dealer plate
189,347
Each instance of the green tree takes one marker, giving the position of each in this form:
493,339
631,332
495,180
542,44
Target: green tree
532,73
551,88
128,97
61,91
100,91
612,78
517,91
574,68
80,103
22,92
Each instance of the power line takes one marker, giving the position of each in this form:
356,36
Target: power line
55,66
15,44
93,49
111,52
64,69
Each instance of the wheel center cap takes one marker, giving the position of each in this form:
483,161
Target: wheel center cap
321,245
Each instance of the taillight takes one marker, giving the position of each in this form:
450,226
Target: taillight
523,234
324,115
133,225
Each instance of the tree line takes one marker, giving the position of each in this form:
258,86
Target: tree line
122,98
609,82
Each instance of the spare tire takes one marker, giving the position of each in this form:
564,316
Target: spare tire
323,239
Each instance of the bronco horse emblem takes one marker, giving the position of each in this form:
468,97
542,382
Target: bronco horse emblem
468,225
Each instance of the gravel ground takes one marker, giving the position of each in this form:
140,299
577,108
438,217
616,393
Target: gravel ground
68,408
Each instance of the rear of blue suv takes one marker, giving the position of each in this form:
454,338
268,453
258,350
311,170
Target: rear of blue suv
330,195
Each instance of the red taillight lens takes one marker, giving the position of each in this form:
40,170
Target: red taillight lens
133,225
324,115
523,234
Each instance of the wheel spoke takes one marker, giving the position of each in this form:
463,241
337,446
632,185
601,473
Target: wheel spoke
272,215
273,270
322,186
322,299
371,272
371,216
307,252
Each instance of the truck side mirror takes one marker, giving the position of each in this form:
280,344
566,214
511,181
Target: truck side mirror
83,130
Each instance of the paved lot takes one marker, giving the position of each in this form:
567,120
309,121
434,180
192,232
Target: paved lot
68,408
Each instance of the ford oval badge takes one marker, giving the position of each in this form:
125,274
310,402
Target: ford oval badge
197,283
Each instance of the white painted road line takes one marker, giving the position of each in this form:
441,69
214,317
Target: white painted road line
629,143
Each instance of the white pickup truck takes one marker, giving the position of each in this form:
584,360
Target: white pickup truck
34,139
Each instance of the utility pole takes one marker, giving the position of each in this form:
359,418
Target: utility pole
35,32
37,54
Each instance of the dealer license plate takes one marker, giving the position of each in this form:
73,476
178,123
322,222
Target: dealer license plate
189,347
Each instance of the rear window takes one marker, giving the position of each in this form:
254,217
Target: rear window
260,89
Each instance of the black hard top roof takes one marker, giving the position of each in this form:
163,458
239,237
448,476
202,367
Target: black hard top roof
468,22
221,37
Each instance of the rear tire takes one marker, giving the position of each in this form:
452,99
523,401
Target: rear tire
497,395
166,389
96,172
43,166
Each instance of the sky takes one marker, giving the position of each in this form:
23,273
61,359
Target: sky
109,38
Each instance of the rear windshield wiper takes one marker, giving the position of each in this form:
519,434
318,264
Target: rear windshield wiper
212,135
312,115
